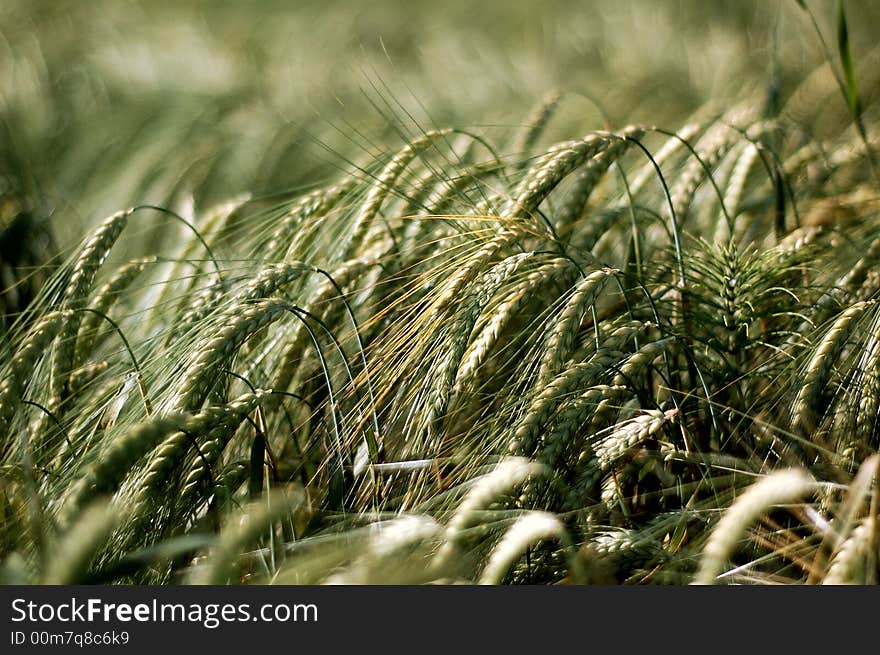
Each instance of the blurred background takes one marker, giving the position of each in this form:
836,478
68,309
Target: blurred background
109,104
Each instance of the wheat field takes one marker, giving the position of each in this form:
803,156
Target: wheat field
568,293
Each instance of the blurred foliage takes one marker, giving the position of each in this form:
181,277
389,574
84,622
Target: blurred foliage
107,104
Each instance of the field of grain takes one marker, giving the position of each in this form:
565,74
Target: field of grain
497,293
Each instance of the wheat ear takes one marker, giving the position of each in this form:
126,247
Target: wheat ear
629,434
383,186
560,340
526,531
851,563
507,475
549,171
23,362
79,544
535,125
534,281
589,176
805,412
454,345
224,419
212,353
75,294
524,434
775,489
105,297
244,529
